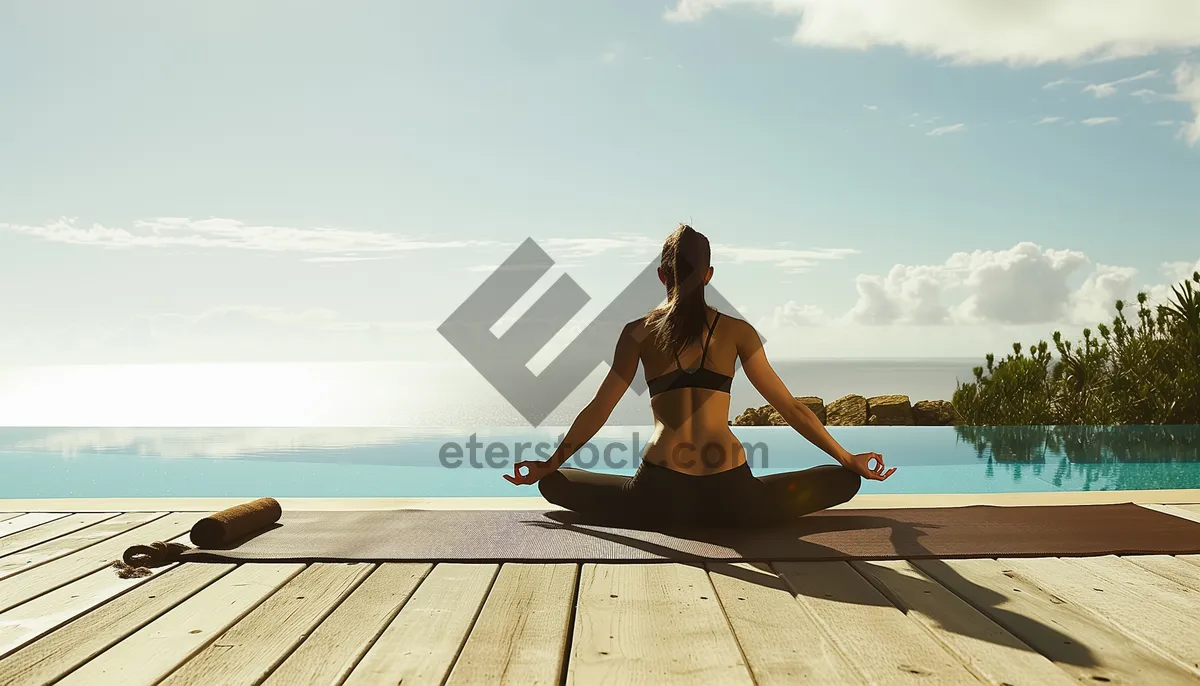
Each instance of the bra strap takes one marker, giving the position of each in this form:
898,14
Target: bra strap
711,329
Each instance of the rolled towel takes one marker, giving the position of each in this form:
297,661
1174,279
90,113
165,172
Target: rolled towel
235,523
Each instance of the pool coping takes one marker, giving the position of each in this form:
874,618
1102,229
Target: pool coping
869,501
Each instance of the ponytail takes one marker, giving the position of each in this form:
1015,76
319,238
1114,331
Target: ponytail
682,320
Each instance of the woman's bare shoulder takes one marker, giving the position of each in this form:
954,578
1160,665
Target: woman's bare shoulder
736,324
741,331
638,329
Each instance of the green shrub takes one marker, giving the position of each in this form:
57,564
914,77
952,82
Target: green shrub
1141,372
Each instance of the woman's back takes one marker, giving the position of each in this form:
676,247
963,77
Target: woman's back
694,469
690,399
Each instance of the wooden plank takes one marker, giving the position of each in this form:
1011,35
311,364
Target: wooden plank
782,641
421,643
1170,567
521,634
1135,578
25,622
652,623
9,527
157,649
1181,511
28,558
250,649
884,644
65,649
987,649
51,530
9,515
1081,643
1145,606
339,642
65,569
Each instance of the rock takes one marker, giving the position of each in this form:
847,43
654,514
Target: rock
749,417
855,410
759,416
935,413
766,415
815,404
889,410
848,410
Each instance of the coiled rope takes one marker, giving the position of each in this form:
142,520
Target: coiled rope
140,560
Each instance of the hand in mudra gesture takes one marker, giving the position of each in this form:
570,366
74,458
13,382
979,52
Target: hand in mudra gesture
534,471
860,464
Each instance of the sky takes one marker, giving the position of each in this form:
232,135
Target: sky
269,181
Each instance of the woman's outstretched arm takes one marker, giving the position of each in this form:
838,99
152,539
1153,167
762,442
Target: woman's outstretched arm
593,416
764,379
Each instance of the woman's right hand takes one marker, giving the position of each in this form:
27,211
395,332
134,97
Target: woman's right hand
860,464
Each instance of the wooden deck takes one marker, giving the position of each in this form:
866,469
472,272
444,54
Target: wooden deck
66,617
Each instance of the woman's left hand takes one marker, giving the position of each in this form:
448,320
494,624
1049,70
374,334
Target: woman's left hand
535,470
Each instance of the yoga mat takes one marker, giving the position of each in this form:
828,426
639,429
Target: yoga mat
531,535
234,523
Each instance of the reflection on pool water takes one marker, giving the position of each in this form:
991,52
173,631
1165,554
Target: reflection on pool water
402,462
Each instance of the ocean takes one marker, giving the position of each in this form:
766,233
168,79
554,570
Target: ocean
384,394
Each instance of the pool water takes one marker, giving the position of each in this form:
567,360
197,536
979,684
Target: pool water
398,462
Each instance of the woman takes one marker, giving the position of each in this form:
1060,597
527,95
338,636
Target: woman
694,470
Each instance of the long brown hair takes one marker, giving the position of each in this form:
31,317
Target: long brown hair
681,321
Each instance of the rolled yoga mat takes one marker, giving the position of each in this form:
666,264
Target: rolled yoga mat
235,523
218,530
531,535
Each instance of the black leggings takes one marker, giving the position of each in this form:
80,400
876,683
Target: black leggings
658,496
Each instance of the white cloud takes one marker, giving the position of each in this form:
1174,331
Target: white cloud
1187,89
1147,94
793,314
169,232
1178,271
1097,121
875,304
1165,122
1025,284
871,107
1049,120
1093,302
1175,272
575,248
1104,90
346,245
1059,82
791,259
974,31
943,130
1026,287
1022,285
609,57
907,295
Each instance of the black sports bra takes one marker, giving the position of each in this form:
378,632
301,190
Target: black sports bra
700,377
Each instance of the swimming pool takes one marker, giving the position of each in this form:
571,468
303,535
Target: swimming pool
396,462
